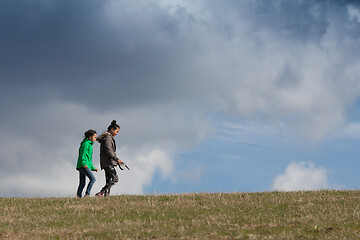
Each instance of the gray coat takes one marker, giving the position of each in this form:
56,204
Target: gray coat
107,150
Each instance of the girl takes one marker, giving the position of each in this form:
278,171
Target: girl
108,158
84,163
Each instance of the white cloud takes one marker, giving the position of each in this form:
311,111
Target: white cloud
301,176
61,179
143,166
38,158
247,66
253,134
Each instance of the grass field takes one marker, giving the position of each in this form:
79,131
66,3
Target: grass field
269,215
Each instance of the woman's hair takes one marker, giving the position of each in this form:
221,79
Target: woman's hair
89,133
113,125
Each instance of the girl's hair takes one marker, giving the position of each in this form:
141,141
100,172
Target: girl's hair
89,133
113,125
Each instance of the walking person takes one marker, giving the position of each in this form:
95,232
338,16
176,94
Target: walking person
84,163
108,158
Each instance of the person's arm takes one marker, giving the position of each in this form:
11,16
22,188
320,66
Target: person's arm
85,157
108,150
89,158
82,155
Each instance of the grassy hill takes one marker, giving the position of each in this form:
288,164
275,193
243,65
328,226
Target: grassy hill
269,215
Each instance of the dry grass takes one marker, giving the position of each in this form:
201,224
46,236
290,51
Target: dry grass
272,215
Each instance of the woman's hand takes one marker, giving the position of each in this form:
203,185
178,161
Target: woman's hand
119,161
96,170
85,166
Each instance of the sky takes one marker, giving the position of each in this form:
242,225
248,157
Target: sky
211,96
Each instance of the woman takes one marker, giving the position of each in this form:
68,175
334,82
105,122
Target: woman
108,158
84,163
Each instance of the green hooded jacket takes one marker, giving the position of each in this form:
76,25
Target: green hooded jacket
85,154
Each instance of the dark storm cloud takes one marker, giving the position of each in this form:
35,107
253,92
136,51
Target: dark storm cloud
40,42
146,52
71,47
295,20
298,20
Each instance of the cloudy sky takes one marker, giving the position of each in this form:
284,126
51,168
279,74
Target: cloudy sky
211,96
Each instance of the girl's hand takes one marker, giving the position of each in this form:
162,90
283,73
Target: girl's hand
85,166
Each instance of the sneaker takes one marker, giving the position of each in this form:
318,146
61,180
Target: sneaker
99,194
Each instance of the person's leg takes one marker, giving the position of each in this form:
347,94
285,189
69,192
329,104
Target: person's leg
107,179
114,180
81,183
92,179
108,182
111,179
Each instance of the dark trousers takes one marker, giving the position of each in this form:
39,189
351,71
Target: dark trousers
111,178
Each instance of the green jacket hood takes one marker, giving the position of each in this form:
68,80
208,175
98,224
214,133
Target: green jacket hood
86,140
